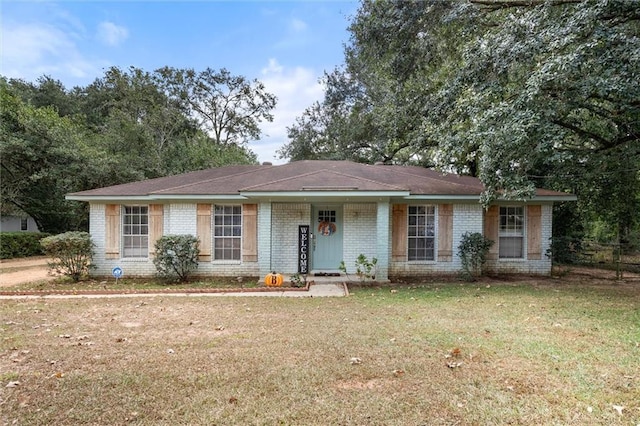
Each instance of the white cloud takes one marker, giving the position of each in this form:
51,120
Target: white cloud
296,89
298,25
272,68
31,50
112,34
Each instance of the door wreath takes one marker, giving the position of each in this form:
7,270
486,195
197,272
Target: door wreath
327,228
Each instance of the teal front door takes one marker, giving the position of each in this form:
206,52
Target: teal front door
328,232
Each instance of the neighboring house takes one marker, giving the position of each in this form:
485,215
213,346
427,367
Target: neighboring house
12,223
253,219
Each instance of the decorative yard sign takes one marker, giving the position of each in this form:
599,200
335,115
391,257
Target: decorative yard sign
117,273
303,249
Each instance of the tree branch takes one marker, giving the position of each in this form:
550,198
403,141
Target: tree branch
581,132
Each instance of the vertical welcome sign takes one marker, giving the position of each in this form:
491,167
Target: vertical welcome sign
303,249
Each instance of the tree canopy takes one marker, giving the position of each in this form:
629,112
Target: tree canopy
518,93
127,125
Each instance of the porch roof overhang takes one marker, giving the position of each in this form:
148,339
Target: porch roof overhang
312,195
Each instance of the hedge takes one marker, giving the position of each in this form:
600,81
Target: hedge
21,244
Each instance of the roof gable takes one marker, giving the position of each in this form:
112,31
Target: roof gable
324,180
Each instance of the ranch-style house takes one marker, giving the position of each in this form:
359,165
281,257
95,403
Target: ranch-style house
309,216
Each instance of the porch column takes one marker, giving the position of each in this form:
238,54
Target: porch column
264,238
382,246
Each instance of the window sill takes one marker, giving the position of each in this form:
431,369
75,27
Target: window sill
225,262
512,259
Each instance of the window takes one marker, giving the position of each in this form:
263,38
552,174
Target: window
24,224
227,232
135,231
421,232
511,233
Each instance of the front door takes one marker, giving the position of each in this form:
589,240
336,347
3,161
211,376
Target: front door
327,253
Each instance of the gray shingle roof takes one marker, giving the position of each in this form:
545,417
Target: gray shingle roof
330,176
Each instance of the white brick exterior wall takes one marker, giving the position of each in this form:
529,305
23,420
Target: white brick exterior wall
180,219
367,230
284,228
360,235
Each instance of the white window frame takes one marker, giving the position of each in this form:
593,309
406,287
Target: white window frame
135,234
227,231
426,232
511,227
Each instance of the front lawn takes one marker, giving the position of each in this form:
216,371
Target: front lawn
64,284
553,351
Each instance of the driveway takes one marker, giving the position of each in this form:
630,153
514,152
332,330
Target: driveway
18,271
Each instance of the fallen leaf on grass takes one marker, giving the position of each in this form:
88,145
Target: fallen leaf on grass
64,336
618,408
233,400
170,351
454,364
220,328
398,373
355,361
13,384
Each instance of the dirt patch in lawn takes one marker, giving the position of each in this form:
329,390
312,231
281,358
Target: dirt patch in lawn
24,270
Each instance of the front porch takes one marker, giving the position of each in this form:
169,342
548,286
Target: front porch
355,229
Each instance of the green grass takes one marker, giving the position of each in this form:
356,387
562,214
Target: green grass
547,352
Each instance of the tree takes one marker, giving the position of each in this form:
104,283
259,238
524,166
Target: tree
554,94
228,108
399,56
43,156
519,93
121,128
137,122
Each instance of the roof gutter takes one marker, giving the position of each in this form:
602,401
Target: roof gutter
539,198
152,197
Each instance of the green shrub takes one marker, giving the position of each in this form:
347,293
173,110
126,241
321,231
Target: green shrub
565,249
71,253
365,268
176,256
473,250
21,244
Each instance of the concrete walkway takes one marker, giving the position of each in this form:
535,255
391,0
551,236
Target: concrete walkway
327,289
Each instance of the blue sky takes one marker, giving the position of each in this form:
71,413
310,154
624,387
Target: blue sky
286,44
